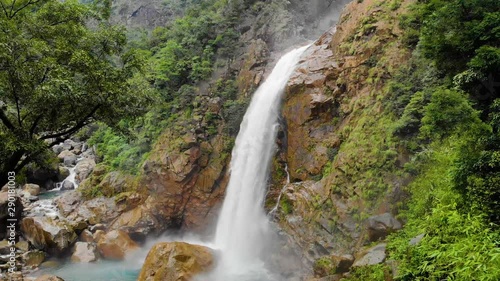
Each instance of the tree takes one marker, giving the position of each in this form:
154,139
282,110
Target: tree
62,66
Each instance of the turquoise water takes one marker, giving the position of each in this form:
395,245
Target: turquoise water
98,271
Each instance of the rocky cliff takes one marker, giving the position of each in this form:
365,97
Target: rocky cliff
341,158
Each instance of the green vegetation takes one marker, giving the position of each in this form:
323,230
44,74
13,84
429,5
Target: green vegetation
448,121
57,74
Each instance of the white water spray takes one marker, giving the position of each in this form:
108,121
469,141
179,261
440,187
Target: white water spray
243,226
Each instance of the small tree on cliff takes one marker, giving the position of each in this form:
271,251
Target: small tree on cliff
62,66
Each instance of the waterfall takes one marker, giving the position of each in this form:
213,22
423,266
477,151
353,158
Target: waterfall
243,227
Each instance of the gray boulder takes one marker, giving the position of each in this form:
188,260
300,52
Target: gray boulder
380,226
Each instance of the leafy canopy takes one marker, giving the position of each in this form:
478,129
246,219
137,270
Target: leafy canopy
62,66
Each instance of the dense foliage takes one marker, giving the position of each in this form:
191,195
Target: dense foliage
59,73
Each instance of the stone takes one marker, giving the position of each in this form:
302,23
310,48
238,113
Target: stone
84,252
68,144
86,236
115,245
54,237
6,214
63,173
4,247
176,261
23,246
31,188
98,235
380,226
84,168
67,185
33,259
48,277
372,256
342,263
57,148
67,157
96,227
416,240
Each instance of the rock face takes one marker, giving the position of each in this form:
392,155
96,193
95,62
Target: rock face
341,160
115,245
54,237
185,184
84,252
175,261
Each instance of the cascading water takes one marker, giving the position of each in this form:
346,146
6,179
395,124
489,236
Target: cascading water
243,228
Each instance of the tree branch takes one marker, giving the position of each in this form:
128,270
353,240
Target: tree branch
6,121
22,7
75,128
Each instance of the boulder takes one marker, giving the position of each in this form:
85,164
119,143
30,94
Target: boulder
380,226
5,214
342,263
33,259
371,256
31,188
86,236
67,185
98,234
84,168
54,237
176,261
23,246
68,144
67,157
63,173
58,148
115,245
48,277
84,252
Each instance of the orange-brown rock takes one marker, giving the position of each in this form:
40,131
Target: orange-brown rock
115,245
176,261
185,181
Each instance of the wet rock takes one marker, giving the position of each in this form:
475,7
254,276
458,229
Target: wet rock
67,185
371,256
31,188
48,277
84,168
54,237
33,259
176,261
84,252
382,225
115,245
